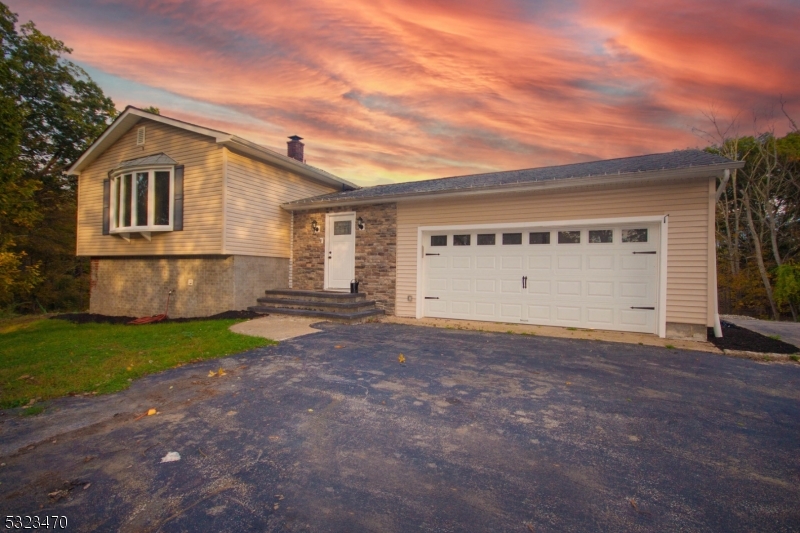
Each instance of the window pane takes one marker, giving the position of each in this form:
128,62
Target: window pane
125,201
438,240
512,238
601,235
542,237
569,237
634,235
343,227
461,240
142,185
162,198
485,238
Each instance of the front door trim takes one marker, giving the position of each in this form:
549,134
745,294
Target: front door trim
328,240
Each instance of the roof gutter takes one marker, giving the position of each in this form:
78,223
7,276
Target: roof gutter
636,178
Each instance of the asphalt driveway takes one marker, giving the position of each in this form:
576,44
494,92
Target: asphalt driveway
475,432
785,331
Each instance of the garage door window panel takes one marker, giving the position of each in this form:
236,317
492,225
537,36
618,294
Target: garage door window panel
438,240
634,235
512,238
601,236
486,239
569,237
461,240
539,237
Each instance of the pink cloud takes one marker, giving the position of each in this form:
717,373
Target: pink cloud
412,89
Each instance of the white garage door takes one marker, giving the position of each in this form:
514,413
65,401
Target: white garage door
603,277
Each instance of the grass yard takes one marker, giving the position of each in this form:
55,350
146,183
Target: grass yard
41,358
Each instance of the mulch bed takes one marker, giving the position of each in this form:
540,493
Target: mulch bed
738,338
86,318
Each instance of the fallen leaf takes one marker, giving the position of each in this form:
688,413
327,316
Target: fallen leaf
401,358
151,412
310,410
337,346
530,528
24,376
275,507
87,486
279,496
221,372
274,438
633,504
569,383
211,373
171,457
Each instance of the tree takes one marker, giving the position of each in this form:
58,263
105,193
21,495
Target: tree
758,218
50,111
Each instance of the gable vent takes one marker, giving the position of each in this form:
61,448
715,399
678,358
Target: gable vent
140,136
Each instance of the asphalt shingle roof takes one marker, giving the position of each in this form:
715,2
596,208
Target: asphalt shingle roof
679,159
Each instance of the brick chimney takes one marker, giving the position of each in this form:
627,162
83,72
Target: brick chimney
295,148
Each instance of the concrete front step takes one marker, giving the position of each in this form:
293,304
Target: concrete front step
346,306
350,317
315,296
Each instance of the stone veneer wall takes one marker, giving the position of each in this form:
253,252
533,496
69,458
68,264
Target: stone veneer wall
138,286
376,252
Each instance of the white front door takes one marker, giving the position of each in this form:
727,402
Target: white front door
340,250
599,276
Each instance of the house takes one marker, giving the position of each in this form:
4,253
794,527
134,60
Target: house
163,204
623,244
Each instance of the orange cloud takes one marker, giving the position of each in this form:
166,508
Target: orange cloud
396,90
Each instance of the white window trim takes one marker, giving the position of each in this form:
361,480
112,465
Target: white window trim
147,229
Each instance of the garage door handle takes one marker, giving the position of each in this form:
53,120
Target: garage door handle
432,297
432,254
524,282
650,253
650,308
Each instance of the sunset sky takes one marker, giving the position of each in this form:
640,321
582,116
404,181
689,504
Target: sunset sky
390,90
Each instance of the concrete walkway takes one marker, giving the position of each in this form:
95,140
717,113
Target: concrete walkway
277,327
787,331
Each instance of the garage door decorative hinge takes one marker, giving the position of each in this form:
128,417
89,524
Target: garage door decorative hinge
653,253
650,308
432,297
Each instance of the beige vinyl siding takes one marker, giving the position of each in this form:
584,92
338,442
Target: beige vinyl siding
255,223
202,160
686,202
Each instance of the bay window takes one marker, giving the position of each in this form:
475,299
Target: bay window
142,200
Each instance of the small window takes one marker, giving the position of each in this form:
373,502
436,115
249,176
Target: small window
486,239
461,240
540,237
438,240
634,235
343,227
569,237
601,235
512,238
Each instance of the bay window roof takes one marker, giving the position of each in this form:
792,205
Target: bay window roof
154,160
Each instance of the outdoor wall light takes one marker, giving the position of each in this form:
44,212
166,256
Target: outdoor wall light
360,223
315,226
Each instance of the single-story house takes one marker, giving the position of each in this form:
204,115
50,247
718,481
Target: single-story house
622,244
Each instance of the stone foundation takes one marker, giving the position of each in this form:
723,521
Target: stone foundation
376,252
138,286
695,332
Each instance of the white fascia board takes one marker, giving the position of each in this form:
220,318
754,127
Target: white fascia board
269,156
124,122
633,178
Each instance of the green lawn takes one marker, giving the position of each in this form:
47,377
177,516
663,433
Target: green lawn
45,359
